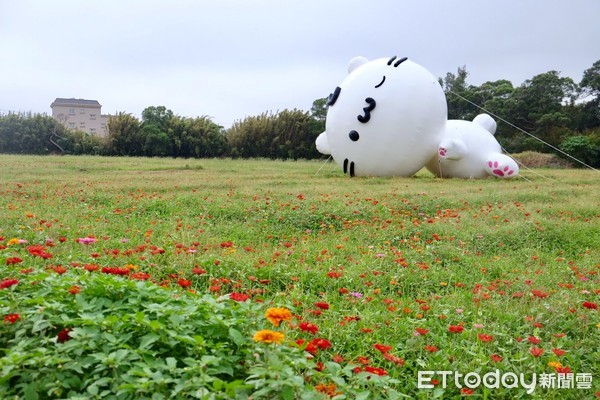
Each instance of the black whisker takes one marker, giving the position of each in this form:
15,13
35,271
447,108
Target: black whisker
345,165
351,169
391,60
380,83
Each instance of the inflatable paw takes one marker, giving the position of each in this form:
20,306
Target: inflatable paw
469,150
386,118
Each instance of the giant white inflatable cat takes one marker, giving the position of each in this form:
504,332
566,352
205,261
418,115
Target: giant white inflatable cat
387,118
469,149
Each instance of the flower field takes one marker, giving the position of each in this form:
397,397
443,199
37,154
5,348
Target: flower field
131,278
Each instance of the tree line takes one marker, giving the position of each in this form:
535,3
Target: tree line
545,113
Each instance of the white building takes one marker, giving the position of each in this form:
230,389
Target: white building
81,115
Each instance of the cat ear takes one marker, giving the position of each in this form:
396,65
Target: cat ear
356,62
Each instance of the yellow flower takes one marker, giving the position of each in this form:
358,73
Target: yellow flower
276,315
554,364
132,267
267,336
13,241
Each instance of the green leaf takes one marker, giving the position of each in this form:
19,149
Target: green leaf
362,396
147,340
287,393
171,363
237,336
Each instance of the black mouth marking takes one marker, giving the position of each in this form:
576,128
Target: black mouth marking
371,106
351,167
334,96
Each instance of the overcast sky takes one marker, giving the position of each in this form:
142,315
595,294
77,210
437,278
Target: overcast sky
229,59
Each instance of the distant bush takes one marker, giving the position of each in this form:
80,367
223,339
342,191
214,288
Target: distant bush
585,148
533,159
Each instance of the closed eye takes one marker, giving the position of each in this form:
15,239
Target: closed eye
380,83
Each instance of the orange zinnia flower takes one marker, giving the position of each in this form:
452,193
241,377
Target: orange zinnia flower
267,336
276,315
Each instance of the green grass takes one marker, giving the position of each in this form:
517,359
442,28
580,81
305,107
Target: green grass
507,258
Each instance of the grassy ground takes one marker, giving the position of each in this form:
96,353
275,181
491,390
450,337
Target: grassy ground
456,275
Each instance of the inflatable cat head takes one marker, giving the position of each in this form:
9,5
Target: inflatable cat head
385,119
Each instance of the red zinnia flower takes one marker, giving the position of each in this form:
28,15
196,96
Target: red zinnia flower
539,293
74,289
39,251
382,347
422,331
241,297
115,270
396,360
338,359
91,267
559,352
184,282
563,370
63,335
13,260
466,391
11,318
319,343
455,329
140,276
431,349
496,358
376,371
590,305
198,271
8,283
534,340
536,351
59,269
322,305
308,327
485,338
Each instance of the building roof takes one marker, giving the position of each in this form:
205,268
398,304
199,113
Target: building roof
75,102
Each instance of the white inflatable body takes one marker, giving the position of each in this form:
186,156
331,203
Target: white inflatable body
470,150
387,118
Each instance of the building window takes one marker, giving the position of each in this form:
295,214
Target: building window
71,111
72,125
92,116
81,111
82,124
93,130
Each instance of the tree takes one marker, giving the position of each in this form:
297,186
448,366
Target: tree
456,88
157,115
319,109
590,87
124,137
196,137
287,134
539,107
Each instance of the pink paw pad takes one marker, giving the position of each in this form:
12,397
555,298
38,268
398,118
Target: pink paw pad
442,151
498,170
